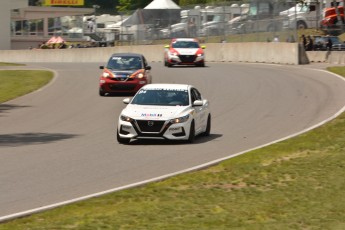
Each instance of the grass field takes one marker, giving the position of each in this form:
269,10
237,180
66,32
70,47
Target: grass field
295,184
15,83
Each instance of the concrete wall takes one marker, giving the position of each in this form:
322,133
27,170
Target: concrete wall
280,53
5,20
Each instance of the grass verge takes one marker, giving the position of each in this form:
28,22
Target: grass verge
295,184
15,83
10,64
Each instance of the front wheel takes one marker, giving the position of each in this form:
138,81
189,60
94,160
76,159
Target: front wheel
208,126
122,140
101,92
191,137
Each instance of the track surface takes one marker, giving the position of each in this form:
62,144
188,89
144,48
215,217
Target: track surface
58,143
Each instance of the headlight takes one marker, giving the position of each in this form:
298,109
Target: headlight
180,119
106,74
125,118
173,53
139,74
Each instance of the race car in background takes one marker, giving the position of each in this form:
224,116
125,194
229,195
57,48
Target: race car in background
184,51
124,73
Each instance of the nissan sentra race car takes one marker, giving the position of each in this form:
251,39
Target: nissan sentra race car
184,51
164,111
124,73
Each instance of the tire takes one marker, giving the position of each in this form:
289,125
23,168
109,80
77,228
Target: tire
208,127
191,136
101,92
201,64
122,140
301,25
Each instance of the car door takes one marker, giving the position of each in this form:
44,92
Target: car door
199,112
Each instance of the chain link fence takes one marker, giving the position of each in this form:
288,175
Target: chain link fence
257,21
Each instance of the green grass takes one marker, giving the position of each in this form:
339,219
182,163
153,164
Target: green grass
15,83
10,64
295,184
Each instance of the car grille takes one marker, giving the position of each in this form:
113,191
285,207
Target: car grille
187,58
122,79
149,126
123,87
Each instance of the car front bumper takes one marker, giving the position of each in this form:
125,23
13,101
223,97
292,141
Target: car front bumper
113,86
144,129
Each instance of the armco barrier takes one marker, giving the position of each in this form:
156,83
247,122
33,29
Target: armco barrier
270,52
280,53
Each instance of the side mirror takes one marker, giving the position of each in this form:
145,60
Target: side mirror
198,103
203,47
101,67
148,67
126,101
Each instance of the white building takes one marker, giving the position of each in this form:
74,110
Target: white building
5,20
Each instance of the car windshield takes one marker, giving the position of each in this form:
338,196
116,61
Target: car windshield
164,97
185,44
125,63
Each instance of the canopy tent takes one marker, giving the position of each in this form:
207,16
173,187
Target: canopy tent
157,14
163,17
162,4
55,40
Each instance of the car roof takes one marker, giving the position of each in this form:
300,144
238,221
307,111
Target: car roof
167,86
127,54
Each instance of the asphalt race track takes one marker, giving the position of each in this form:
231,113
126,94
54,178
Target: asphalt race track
58,144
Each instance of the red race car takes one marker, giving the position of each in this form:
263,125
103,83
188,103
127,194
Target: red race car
124,73
184,51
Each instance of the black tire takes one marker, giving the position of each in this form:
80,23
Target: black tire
191,136
122,140
201,64
208,126
101,92
301,25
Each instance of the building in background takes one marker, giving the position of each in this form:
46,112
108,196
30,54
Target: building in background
5,20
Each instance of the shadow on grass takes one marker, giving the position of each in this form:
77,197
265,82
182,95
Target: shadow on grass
198,140
18,139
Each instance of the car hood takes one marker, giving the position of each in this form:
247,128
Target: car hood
123,72
149,112
187,51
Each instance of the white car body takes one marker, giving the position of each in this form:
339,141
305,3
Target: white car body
172,121
184,51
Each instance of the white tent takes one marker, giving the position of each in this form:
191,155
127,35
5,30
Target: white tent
162,4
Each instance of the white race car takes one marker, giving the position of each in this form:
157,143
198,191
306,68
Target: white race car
184,51
164,111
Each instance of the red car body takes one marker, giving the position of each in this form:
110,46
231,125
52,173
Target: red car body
124,73
330,17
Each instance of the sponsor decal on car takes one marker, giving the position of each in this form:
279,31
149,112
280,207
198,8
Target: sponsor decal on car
151,115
